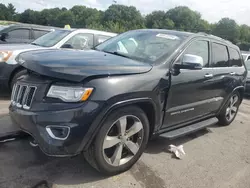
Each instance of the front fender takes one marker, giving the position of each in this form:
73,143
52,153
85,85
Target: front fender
97,123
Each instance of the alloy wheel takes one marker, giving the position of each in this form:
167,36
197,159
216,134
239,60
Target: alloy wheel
232,107
123,140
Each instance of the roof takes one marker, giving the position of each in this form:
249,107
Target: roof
219,39
30,25
171,32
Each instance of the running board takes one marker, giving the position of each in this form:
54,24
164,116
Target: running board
189,129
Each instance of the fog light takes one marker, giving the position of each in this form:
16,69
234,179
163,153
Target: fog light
58,132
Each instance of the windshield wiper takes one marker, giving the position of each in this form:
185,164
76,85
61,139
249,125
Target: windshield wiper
117,53
33,43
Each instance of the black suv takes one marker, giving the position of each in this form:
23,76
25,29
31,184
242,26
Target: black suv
22,33
109,101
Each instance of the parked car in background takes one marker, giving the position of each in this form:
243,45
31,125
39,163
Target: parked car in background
2,27
22,33
247,89
80,39
245,55
109,101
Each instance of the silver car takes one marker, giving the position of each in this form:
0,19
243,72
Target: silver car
78,39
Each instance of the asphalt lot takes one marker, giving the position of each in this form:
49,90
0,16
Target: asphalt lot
215,157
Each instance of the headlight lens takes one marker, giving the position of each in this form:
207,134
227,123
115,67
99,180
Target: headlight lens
69,94
5,55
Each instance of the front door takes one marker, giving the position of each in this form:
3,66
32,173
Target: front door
191,94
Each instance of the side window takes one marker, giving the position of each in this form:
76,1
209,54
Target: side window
199,48
102,38
19,34
235,59
39,33
220,55
80,41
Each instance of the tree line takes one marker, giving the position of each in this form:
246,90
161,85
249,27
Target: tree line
120,18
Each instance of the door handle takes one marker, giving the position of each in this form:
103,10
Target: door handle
232,73
209,76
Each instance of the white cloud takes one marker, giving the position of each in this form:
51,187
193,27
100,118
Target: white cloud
212,10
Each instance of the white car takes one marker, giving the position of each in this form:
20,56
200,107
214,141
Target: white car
78,39
245,55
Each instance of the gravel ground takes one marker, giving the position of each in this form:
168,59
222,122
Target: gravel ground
215,157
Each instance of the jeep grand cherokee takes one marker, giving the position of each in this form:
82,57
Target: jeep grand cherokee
108,102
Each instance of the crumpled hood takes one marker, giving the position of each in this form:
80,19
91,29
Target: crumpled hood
76,65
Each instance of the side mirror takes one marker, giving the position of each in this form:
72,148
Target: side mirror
192,62
4,36
67,46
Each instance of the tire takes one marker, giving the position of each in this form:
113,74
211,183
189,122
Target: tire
230,109
16,76
104,159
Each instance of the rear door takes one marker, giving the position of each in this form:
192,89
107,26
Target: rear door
223,72
191,94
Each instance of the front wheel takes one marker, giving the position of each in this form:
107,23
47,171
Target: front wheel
120,141
230,110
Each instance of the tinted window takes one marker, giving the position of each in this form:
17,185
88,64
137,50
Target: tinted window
235,59
220,55
39,33
80,41
102,38
199,48
19,34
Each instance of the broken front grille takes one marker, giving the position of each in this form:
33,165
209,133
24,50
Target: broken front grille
22,96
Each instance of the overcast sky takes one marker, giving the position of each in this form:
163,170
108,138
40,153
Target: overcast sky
211,10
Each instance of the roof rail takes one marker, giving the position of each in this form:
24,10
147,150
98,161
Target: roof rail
206,34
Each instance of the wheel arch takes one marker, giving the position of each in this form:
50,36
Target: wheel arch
240,89
13,73
146,104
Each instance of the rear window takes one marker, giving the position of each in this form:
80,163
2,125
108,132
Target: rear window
19,34
235,59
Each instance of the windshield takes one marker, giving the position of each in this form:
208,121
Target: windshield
51,38
144,45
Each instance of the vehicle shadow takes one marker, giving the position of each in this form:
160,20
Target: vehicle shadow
30,167
33,169
160,144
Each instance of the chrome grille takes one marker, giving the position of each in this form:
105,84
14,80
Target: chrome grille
22,95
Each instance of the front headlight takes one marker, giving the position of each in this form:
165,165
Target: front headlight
5,55
69,94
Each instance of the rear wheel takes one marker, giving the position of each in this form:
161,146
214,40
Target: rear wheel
120,142
230,110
